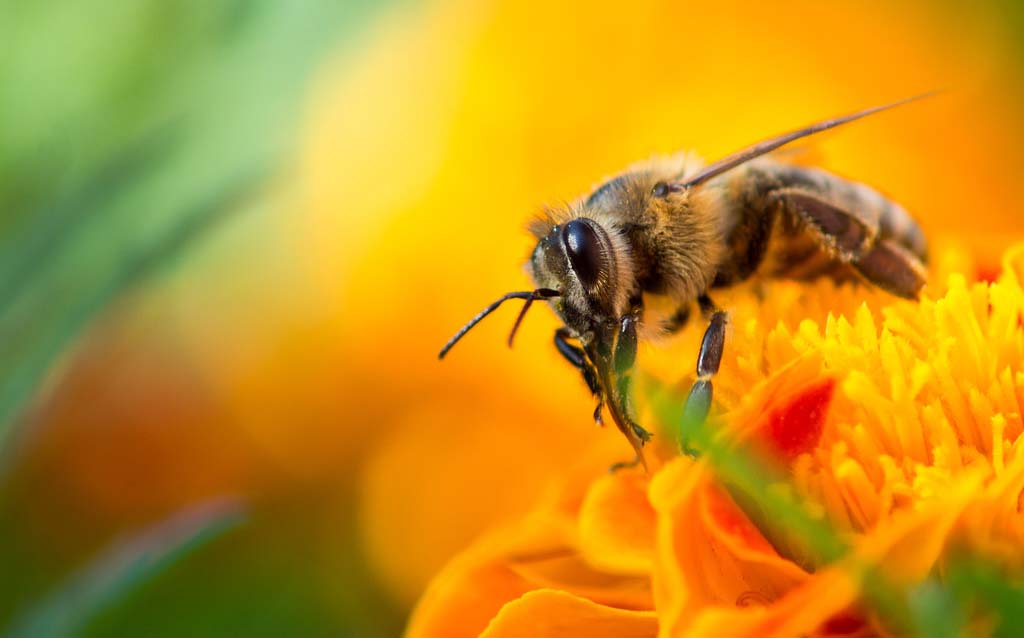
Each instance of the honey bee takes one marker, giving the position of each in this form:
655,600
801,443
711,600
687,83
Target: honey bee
659,230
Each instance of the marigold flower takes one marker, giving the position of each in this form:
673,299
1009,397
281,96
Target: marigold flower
433,142
894,424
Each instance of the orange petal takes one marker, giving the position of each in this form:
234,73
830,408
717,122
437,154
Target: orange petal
566,570
551,613
906,547
616,524
803,612
708,552
535,554
687,573
473,587
460,605
730,524
766,574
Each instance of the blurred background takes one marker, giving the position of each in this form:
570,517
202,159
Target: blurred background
234,234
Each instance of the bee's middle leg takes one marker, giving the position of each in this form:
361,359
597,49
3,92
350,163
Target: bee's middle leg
698,402
576,356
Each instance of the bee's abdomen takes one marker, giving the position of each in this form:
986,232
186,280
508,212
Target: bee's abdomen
793,221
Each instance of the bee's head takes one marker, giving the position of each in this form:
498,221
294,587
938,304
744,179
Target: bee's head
574,266
581,266
578,258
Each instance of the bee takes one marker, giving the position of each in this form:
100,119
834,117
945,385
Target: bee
658,231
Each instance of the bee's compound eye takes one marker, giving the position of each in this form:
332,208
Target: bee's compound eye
586,255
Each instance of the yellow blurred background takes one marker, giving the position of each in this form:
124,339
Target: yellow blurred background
290,361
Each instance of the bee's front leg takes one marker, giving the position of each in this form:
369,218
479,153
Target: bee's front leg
623,360
698,402
578,358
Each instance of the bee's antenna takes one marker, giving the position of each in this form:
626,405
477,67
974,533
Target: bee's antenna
537,294
529,296
767,146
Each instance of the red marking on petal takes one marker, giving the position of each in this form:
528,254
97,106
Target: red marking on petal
988,273
796,426
843,624
732,521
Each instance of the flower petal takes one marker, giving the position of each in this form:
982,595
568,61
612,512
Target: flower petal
472,588
801,613
537,553
708,552
907,549
551,613
795,427
566,570
616,524
767,574
461,602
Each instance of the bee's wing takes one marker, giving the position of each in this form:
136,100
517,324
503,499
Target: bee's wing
852,233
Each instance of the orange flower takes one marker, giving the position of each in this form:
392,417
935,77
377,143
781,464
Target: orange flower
897,429
437,140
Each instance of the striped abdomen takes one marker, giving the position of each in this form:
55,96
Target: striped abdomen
798,222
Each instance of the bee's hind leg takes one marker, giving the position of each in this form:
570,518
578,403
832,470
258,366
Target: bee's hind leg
698,402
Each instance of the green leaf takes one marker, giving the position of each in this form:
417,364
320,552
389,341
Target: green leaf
128,129
935,612
978,584
122,567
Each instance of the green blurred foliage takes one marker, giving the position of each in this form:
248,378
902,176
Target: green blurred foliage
264,579
113,574
128,128
127,131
